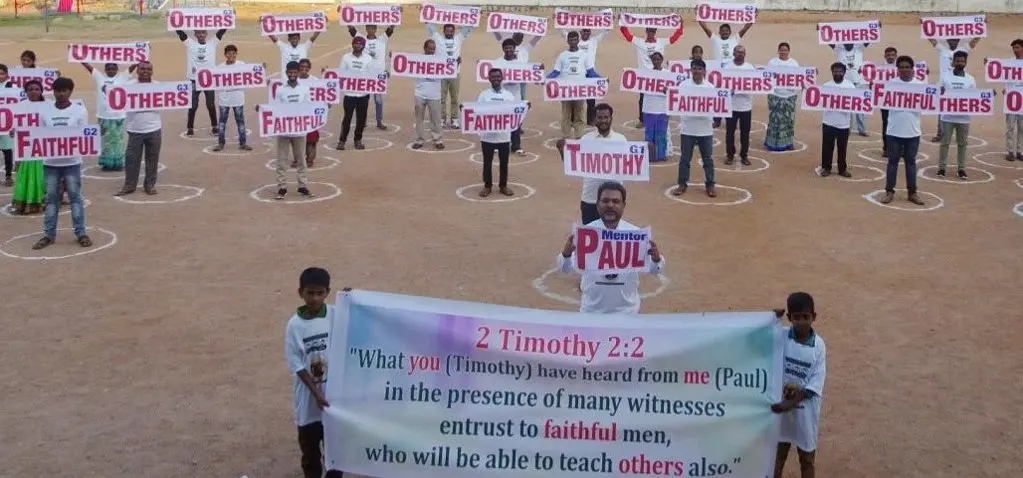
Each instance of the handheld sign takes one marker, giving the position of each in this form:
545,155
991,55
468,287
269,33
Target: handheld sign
359,81
291,119
699,101
848,32
1013,102
649,82
357,15
681,67
561,89
21,115
571,20
742,81
793,77
492,116
916,97
717,12
19,76
611,251
450,14
120,53
874,73
649,20
230,77
512,72
967,102
498,22
607,160
837,99
1002,70
320,91
287,24
11,95
944,28
432,67
162,96
200,19
56,142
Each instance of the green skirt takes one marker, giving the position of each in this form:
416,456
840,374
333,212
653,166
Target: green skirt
29,188
111,156
781,124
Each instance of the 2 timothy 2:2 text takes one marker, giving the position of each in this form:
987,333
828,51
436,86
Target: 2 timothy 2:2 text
574,345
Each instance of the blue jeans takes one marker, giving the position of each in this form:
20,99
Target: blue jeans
861,123
239,118
72,177
378,108
706,145
905,149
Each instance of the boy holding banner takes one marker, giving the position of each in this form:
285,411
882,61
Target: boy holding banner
201,53
450,42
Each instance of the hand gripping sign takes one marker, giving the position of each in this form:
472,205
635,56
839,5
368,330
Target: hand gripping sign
839,100
1013,102
882,73
120,53
742,81
492,116
56,143
498,22
359,81
200,19
1002,70
161,96
570,20
287,24
793,77
967,102
699,101
944,28
450,14
230,77
320,91
848,32
291,119
648,81
649,20
916,97
19,76
432,67
574,89
357,15
607,160
716,12
611,251
512,72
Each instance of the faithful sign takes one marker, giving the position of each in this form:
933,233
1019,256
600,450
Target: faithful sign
1013,102
120,53
607,160
230,77
492,116
286,24
968,102
513,72
160,96
649,20
570,20
649,82
498,22
366,81
291,119
21,115
611,251
55,143
917,97
200,19
450,14
432,67
717,12
561,89
19,76
1002,70
356,15
320,91
699,101
848,32
840,100
793,77
944,28
882,73
742,81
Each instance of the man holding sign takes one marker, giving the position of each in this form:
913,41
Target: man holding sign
201,53
959,125
697,132
903,132
1014,121
609,253
498,139
946,50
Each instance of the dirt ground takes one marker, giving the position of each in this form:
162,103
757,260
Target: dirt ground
161,355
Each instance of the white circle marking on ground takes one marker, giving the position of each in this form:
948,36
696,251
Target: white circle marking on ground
873,198
237,152
873,134
529,158
336,192
1005,164
863,154
1018,209
527,133
204,134
460,192
952,178
429,149
854,179
365,139
118,175
800,147
541,287
84,251
64,210
745,196
193,192
332,163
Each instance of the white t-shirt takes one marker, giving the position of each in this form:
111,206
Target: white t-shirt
450,47
103,82
945,56
697,125
723,49
377,49
804,366
350,62
200,55
288,94
953,82
903,124
784,92
73,115
609,294
833,118
590,186
292,53
644,49
142,121
516,89
305,348
573,64
487,96
852,59
740,102
231,98
590,46
655,104
522,52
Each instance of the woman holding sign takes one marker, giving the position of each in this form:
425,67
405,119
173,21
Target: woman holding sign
781,103
30,184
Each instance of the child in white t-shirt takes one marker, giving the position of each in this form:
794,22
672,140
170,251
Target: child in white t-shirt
805,369
231,101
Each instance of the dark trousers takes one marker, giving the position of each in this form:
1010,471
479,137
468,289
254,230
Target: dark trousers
359,106
833,137
591,111
210,107
884,133
309,438
140,144
516,141
503,151
8,162
905,149
743,119
589,212
641,108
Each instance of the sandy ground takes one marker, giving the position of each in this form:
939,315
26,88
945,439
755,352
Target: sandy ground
161,356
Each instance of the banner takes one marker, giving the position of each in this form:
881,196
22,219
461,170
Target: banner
607,160
883,73
278,25
160,96
610,251
1002,70
717,12
320,91
450,14
793,77
357,15
120,53
1013,102
944,28
231,77
56,142
561,89
432,67
648,81
742,81
200,19
848,32
572,20
649,20
498,22
24,114
528,393
11,95
19,76
916,97
512,72
699,101
967,102
365,81
291,119
492,116
681,67
837,99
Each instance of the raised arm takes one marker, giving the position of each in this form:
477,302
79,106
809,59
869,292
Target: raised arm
220,33
352,31
626,34
465,31
499,36
678,33
706,29
88,67
314,36
534,40
389,31
181,35
745,29
974,42
273,39
430,29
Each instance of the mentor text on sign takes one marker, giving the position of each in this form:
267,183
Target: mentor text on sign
610,251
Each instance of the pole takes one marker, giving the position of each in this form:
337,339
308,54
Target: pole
46,15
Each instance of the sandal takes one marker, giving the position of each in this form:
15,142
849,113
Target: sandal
507,191
43,243
84,240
